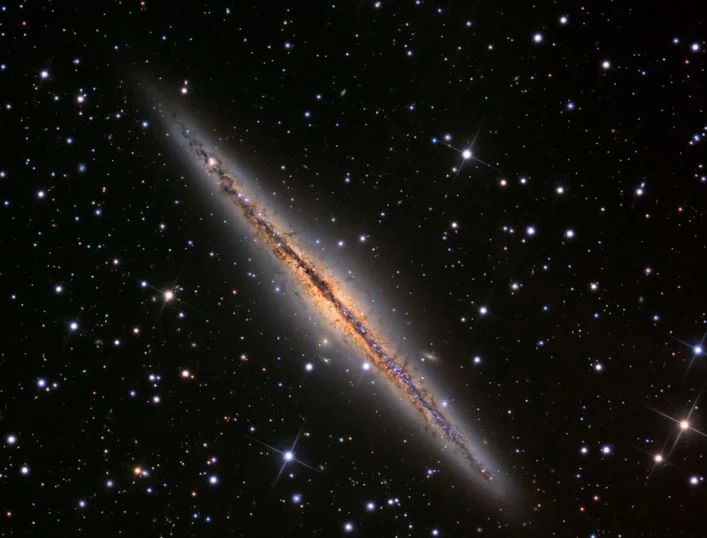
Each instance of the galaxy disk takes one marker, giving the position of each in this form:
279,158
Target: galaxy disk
323,292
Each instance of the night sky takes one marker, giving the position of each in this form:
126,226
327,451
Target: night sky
516,194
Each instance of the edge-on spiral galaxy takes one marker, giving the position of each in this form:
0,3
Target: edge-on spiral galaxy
327,297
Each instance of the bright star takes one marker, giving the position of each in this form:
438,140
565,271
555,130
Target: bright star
288,456
684,424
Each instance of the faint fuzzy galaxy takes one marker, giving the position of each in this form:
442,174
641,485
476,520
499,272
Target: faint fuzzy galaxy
516,193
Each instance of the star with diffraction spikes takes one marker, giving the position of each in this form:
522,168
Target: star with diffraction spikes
684,427
697,351
466,153
288,456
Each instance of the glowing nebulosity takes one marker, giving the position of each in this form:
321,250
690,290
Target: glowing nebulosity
330,300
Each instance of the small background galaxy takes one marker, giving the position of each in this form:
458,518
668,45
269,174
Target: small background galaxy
517,191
